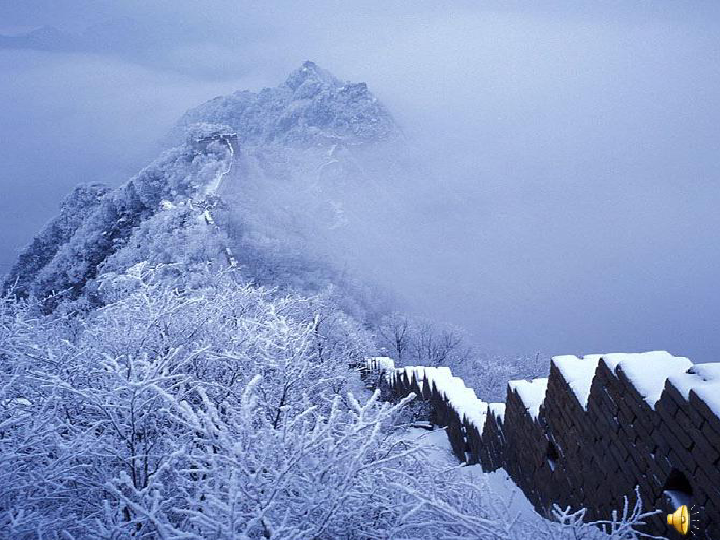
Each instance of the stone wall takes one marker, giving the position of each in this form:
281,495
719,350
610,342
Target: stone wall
592,432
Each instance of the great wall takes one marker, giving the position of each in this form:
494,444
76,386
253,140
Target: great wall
598,428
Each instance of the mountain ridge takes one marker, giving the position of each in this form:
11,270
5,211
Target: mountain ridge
160,215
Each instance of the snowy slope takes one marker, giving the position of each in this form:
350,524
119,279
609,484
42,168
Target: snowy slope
498,485
149,218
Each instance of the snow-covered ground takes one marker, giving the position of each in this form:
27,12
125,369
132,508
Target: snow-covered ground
498,484
436,448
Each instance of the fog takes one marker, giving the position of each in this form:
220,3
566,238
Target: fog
573,148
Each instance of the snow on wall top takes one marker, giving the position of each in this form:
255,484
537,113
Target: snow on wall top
531,393
704,380
380,363
461,398
578,372
648,371
497,410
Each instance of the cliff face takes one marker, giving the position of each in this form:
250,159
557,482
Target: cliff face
76,207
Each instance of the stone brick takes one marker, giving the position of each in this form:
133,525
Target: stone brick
606,400
671,391
625,415
704,454
685,424
703,482
664,462
695,417
667,411
712,436
659,439
626,384
670,405
654,468
676,436
705,411
641,410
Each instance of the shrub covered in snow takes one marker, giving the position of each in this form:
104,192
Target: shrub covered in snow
215,411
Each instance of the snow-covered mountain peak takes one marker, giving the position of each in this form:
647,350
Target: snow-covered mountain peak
310,74
311,108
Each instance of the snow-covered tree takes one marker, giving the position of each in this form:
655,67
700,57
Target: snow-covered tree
213,411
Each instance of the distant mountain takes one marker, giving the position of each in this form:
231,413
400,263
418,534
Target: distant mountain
286,174
46,38
123,35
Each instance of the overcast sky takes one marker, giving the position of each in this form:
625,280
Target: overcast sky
580,140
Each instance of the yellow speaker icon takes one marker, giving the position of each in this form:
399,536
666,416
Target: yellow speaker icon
680,520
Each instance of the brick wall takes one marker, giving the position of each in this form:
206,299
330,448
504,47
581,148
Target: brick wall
621,421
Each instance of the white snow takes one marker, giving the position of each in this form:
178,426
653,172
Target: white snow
704,380
214,187
648,371
498,484
380,363
208,217
531,393
497,410
476,414
579,373
461,398
18,401
416,373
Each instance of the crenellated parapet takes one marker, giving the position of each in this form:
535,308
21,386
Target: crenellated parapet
596,429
